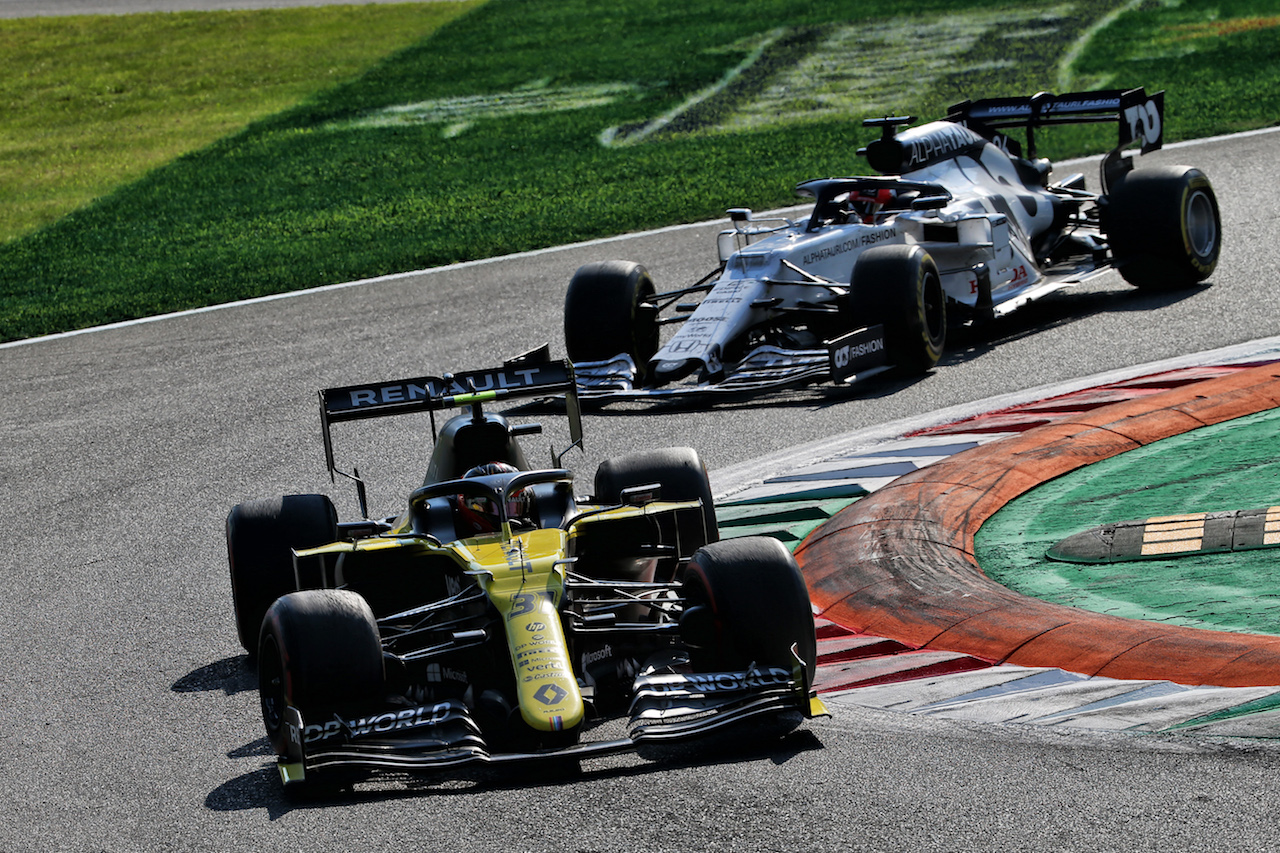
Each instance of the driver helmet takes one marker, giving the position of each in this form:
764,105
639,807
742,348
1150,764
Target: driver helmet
478,513
867,203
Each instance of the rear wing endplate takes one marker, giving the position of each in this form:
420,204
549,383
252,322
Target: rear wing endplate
524,376
1140,116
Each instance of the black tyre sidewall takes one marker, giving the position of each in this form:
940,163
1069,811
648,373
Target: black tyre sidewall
320,652
603,317
759,602
680,472
899,287
261,536
1146,220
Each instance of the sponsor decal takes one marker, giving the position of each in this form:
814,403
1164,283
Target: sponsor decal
543,663
857,351
543,676
409,718
846,354
538,646
1083,105
597,656
723,682
411,391
697,334
550,694
1006,110
438,674
1143,122
936,145
859,241
408,391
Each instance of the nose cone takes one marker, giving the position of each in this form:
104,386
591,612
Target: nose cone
673,370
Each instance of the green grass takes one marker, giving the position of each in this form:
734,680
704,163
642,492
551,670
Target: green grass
1219,60
94,102
503,152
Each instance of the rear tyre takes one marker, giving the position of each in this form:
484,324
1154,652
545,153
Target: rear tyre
608,310
682,476
261,536
899,287
1164,227
319,652
747,603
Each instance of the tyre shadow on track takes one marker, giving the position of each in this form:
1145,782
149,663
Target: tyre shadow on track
230,675
260,789
1059,310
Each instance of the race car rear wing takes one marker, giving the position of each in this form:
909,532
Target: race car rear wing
532,374
1140,116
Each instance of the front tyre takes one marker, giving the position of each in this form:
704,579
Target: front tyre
899,287
746,602
1164,227
608,311
319,652
261,537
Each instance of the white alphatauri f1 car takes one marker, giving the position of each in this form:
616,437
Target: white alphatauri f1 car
962,224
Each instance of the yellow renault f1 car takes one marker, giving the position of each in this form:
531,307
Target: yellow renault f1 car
500,617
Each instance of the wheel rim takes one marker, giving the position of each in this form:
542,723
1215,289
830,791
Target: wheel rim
1201,224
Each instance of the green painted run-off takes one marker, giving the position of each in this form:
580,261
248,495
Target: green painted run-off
1230,466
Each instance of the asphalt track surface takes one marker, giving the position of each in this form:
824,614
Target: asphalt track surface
129,719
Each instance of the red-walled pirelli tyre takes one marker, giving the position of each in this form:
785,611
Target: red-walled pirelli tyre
261,536
1163,226
608,310
899,286
757,603
320,653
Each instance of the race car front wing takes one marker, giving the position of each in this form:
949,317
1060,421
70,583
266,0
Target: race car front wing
851,358
666,707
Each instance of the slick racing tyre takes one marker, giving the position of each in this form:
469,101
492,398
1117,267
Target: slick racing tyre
261,536
899,287
319,652
746,602
682,477
1164,227
608,311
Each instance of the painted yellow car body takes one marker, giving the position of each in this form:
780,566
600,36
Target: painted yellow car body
523,575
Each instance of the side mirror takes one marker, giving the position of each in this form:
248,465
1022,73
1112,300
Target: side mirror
641,495
726,245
